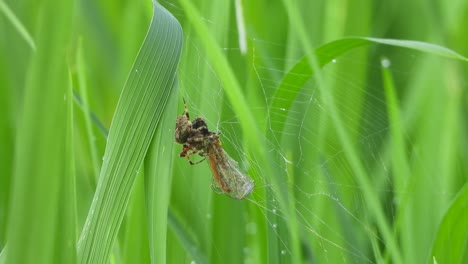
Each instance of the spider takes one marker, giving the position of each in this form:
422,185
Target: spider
197,139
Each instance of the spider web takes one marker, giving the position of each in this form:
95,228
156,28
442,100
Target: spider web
318,175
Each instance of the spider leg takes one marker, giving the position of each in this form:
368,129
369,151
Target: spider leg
186,113
193,153
194,163
187,151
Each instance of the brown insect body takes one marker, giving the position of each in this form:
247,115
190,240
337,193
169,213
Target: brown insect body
197,139
214,159
227,178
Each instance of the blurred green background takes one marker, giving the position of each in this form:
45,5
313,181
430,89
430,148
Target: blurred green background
364,162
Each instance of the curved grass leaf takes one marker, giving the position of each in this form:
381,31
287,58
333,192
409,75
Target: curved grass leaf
450,245
420,46
139,110
302,71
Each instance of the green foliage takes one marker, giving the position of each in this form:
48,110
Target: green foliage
42,181
349,116
138,113
450,243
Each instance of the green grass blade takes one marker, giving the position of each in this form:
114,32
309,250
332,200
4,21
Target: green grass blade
135,247
7,135
399,158
139,110
230,82
3,254
450,245
188,240
351,153
302,71
42,182
421,46
355,160
299,74
250,127
67,219
83,87
10,15
92,116
400,166
295,79
158,171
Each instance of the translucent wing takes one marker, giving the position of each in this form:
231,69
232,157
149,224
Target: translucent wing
227,178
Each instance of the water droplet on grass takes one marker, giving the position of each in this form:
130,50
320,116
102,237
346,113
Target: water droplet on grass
385,63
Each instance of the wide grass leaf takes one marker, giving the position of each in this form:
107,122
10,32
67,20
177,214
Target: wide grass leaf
141,105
